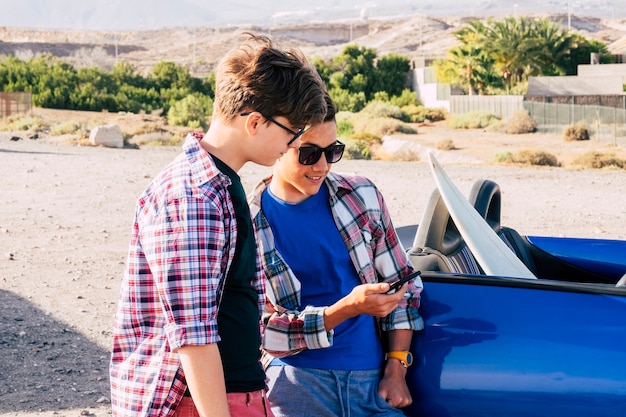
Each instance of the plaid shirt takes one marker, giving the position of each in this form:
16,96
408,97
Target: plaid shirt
182,244
374,249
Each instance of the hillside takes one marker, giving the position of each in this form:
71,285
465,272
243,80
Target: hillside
200,48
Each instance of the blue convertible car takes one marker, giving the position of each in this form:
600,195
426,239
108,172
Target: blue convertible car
503,346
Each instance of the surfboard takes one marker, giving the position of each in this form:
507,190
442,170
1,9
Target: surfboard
493,255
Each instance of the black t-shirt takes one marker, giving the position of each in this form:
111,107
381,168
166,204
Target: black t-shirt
238,315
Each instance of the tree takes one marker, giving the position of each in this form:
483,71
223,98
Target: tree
502,54
391,74
354,70
469,64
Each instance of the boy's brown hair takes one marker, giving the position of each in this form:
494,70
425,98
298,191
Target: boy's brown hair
257,76
331,109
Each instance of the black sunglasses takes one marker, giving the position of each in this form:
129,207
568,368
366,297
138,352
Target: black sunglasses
295,134
309,154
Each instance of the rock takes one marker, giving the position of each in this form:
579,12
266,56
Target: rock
109,136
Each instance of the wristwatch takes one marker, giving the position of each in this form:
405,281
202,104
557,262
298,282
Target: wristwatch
405,357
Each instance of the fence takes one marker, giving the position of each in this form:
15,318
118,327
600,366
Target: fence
502,106
15,103
605,124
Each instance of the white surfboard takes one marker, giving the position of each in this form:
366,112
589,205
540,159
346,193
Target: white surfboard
493,255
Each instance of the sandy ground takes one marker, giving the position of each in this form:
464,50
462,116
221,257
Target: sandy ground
65,220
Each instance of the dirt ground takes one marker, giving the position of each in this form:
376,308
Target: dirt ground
66,216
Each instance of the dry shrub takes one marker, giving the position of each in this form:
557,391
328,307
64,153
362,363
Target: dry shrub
596,160
146,128
520,122
419,114
404,155
70,127
368,137
445,145
23,122
380,126
529,157
576,131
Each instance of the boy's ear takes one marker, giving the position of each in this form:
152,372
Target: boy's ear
252,122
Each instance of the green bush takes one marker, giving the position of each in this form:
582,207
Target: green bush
347,101
575,132
357,149
473,120
344,128
381,109
406,98
192,111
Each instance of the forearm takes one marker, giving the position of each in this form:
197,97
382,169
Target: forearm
399,340
393,387
337,313
205,378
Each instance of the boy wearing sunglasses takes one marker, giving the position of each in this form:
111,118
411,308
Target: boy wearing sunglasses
328,243
187,332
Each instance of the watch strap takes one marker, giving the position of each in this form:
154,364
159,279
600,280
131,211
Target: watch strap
405,357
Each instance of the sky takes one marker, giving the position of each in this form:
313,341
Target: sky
154,14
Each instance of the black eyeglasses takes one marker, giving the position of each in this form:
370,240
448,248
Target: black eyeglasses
295,134
309,154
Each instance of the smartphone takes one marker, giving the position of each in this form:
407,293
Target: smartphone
395,283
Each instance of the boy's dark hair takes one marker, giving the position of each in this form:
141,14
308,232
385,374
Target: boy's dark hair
331,110
257,76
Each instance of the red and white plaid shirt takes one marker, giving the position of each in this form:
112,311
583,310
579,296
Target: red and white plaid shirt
182,245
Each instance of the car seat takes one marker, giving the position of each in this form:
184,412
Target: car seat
486,198
438,244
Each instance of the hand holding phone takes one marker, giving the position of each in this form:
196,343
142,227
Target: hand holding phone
395,283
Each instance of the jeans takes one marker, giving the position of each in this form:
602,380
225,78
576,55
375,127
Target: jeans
306,392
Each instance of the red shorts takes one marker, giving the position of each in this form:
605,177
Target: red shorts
240,404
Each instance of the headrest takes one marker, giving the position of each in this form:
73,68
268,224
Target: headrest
437,229
486,199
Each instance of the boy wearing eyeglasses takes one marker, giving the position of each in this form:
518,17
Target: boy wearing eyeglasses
187,333
328,243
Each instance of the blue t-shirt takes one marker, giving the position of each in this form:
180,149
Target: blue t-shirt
307,237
